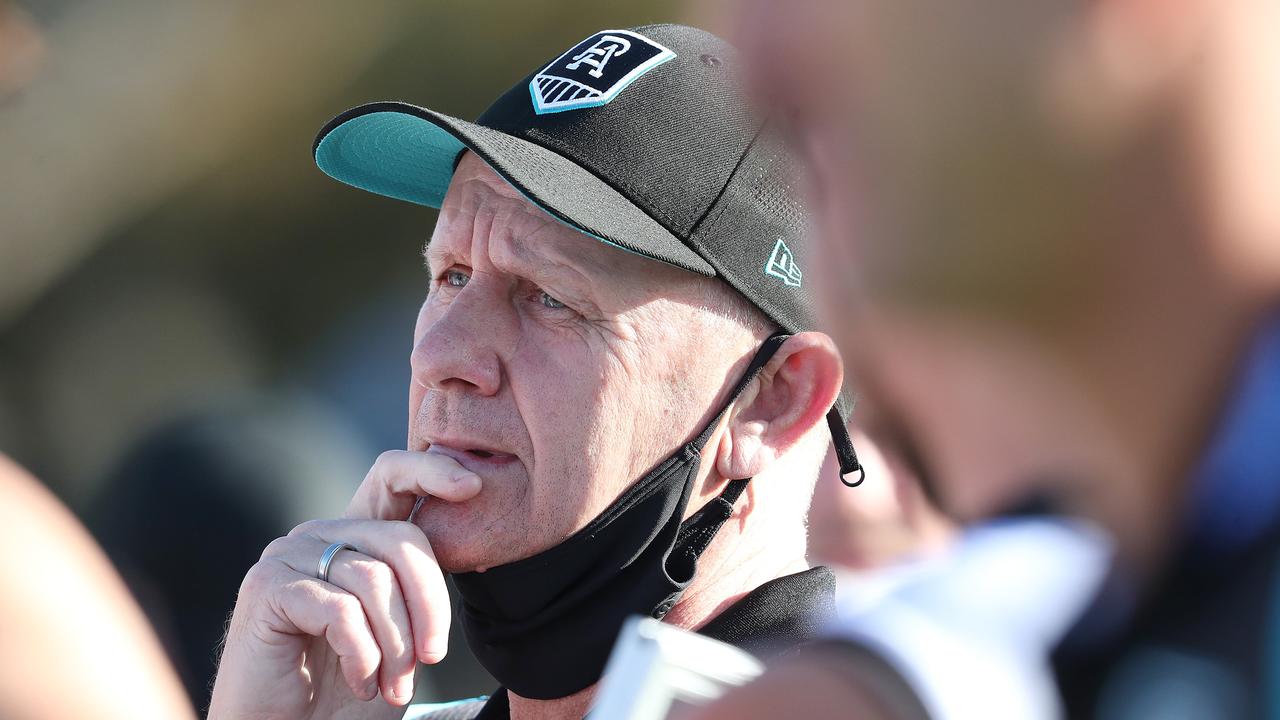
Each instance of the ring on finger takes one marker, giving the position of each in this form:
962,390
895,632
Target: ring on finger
326,559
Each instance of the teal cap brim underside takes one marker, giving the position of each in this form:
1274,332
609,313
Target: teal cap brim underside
410,153
392,154
400,156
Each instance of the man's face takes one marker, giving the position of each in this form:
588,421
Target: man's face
555,367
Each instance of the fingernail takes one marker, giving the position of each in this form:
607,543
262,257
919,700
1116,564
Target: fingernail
403,690
433,654
371,692
467,477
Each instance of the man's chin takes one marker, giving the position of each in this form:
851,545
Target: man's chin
463,536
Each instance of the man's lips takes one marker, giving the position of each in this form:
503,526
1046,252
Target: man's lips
476,459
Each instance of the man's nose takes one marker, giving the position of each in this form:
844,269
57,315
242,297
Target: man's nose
459,350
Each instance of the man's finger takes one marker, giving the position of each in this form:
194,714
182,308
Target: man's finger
404,548
378,589
399,477
322,610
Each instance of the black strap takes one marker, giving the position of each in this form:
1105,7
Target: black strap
843,444
698,531
762,358
845,453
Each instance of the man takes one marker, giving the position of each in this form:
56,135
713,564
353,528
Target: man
596,374
1068,288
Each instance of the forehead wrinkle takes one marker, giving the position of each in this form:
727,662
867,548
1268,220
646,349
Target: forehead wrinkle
540,256
572,254
522,239
474,190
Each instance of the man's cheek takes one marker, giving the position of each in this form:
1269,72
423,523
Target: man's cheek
416,395
423,320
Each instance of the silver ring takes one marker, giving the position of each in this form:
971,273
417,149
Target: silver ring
326,558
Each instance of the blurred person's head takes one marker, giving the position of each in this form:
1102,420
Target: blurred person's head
891,518
1054,221
22,49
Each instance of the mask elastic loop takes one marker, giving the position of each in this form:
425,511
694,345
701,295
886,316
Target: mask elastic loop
762,357
845,454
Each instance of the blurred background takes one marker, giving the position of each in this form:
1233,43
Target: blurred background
203,339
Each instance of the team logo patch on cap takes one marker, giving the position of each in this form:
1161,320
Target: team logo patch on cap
782,265
595,70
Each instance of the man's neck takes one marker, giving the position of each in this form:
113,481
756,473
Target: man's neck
574,707
728,570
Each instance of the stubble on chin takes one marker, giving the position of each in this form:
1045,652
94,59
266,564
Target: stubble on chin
471,536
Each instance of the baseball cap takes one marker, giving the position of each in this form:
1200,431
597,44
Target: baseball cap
640,138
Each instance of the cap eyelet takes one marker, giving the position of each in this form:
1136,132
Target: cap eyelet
711,61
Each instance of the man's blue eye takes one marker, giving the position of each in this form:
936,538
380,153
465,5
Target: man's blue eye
549,301
456,278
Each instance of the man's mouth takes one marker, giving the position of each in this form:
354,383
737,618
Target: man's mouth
475,459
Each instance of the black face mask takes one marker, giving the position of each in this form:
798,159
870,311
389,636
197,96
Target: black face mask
544,626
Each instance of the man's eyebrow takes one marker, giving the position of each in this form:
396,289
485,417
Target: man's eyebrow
520,260
549,267
434,252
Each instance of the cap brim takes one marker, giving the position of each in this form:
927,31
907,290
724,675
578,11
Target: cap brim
409,153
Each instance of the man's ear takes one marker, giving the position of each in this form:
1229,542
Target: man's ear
791,395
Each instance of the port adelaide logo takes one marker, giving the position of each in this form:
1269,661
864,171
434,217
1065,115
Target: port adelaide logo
595,70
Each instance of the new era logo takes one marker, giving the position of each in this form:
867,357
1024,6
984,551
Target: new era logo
595,70
782,265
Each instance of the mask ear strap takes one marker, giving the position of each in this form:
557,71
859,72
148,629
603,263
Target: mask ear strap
697,532
847,456
762,358
845,453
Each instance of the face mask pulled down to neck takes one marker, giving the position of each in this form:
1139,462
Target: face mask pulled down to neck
544,626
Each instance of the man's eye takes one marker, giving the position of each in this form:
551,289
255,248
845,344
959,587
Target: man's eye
549,301
456,278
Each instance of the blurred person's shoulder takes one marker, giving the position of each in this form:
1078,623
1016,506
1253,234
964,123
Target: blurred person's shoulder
1200,639
970,631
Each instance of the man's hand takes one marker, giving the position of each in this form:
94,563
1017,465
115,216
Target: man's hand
297,647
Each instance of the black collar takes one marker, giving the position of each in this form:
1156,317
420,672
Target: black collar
774,618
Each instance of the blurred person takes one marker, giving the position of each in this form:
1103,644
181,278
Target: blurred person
891,518
73,644
617,251
1052,228
22,49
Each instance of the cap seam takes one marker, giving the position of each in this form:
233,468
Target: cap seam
716,206
710,223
